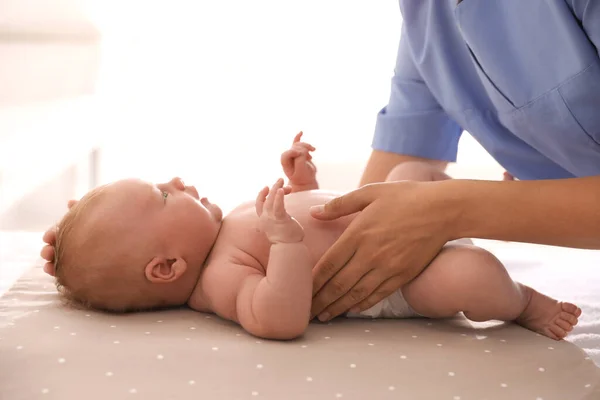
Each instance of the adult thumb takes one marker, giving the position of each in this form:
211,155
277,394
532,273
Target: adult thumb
341,206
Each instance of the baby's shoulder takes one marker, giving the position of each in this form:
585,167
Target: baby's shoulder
223,276
239,231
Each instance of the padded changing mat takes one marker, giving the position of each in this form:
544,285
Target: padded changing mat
49,351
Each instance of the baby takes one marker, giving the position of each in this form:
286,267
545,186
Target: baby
132,245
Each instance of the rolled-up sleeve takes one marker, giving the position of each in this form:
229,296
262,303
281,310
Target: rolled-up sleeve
413,123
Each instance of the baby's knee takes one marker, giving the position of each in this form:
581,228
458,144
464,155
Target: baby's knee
474,266
415,171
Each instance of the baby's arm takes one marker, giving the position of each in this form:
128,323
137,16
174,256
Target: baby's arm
298,166
276,305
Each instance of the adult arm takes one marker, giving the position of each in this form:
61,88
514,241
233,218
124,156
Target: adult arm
564,212
403,225
412,126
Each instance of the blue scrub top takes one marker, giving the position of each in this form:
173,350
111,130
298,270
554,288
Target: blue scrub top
521,76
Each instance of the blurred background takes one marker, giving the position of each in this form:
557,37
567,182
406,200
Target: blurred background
213,91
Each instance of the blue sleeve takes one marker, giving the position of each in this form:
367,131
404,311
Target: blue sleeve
413,123
588,12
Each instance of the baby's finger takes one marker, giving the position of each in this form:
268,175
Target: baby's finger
279,206
287,189
298,137
303,147
260,200
271,196
287,160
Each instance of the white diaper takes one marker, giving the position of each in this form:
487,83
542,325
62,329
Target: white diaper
395,306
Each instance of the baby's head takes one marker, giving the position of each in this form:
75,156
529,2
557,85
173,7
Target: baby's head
132,245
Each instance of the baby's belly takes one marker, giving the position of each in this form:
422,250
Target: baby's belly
319,236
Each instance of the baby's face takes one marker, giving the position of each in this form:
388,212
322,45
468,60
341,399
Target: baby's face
171,218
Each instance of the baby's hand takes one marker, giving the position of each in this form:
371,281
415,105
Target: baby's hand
274,220
297,164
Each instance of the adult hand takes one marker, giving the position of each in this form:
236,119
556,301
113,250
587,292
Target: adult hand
401,228
47,252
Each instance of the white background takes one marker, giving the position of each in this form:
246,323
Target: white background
215,91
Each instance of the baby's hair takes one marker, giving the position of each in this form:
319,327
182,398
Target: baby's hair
63,235
90,273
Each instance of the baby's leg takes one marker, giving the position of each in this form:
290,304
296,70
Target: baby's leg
416,171
470,279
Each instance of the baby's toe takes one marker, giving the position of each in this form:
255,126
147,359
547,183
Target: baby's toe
558,332
564,325
570,318
571,308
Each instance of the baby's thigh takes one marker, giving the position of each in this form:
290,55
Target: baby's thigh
452,279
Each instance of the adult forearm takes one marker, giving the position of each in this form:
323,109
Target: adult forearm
380,164
562,212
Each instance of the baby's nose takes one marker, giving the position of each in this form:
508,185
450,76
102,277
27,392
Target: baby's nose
178,183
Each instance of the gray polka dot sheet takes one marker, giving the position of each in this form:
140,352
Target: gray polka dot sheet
49,351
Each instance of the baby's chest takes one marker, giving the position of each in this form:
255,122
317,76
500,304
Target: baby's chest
246,237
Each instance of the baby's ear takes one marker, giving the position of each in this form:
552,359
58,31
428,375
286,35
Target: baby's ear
165,270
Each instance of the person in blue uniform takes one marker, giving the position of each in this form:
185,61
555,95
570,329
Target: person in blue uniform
523,78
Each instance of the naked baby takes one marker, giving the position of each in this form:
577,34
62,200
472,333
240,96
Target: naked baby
133,245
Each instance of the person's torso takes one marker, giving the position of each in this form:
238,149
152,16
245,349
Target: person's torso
520,76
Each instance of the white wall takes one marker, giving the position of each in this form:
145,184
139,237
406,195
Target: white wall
49,56
215,91
212,91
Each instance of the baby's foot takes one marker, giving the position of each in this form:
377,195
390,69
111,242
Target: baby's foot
547,316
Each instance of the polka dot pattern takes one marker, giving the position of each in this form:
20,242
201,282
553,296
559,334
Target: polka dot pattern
125,350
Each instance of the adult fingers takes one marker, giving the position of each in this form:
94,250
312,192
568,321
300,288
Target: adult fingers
334,259
349,287
47,253
347,204
50,269
50,236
